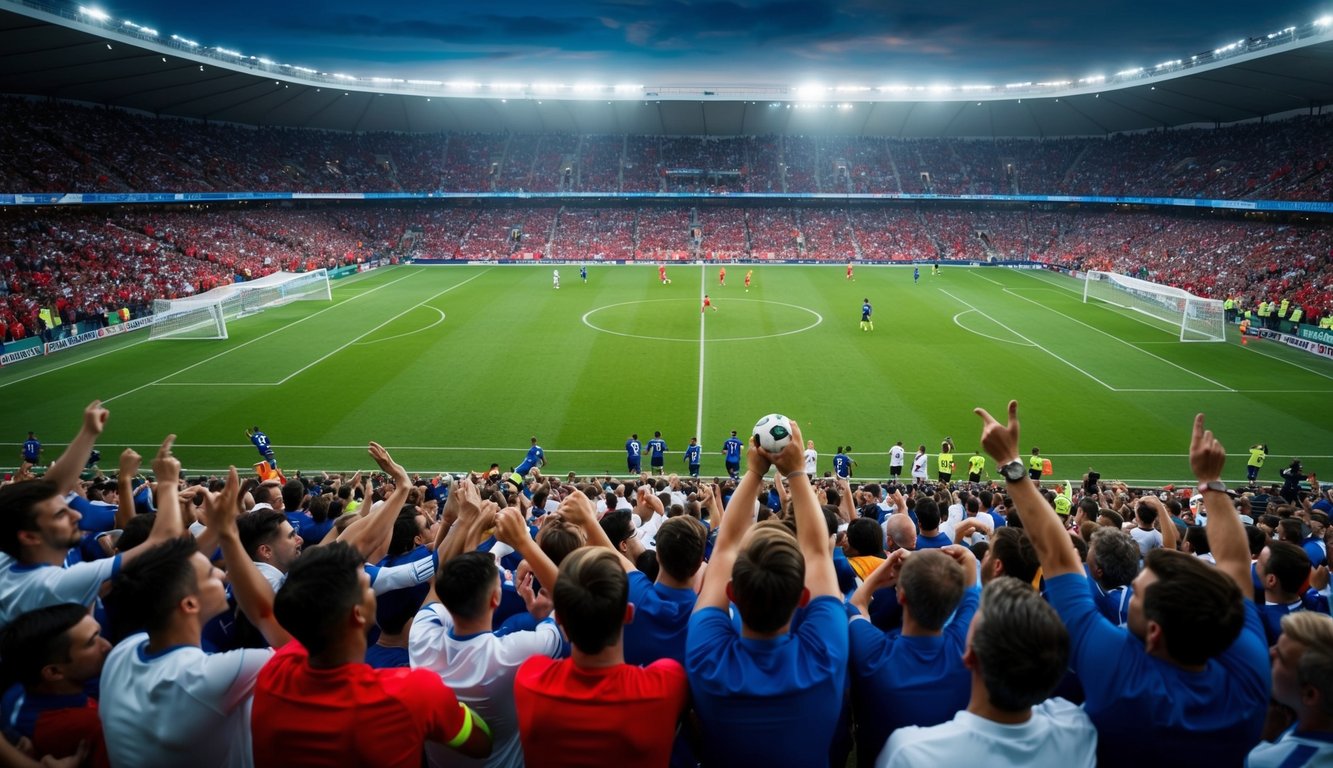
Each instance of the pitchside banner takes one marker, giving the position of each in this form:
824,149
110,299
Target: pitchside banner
74,341
1313,347
1311,333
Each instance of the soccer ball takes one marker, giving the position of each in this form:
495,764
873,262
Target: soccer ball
773,432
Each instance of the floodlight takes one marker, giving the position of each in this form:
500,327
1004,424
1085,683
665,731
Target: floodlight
588,88
1323,21
461,85
506,86
425,82
149,32
94,13
851,88
228,52
545,87
628,88
266,62
1018,85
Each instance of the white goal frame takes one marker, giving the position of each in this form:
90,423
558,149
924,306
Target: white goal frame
205,315
1197,318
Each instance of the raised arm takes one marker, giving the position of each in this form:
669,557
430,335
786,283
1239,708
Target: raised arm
811,530
737,518
167,524
64,472
1170,536
377,525
512,529
1054,548
1226,533
253,593
129,467
846,509
881,578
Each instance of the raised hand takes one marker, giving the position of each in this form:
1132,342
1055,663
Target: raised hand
538,603
94,417
222,508
964,557
388,465
1207,456
578,509
510,528
166,468
130,461
1000,440
791,458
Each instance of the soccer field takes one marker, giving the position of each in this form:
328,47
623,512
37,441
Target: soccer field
455,367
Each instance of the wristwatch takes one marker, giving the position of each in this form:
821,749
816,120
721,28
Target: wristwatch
1213,485
1013,471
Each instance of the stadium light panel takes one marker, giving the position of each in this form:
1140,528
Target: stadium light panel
228,52
266,62
94,13
461,85
425,82
628,88
588,88
1323,21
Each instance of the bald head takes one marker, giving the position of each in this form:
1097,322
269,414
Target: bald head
900,532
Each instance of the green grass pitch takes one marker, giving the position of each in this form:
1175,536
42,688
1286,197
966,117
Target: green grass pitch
455,367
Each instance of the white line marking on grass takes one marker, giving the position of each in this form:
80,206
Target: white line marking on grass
984,335
80,361
1224,387
987,279
252,341
409,333
818,319
305,368
699,413
1033,343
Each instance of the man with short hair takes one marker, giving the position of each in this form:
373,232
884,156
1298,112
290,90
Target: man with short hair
1144,535
912,678
593,706
928,517
896,460
657,449
768,693
731,454
1010,554
811,459
633,454
1302,681
1190,677
1112,563
536,457
54,653
271,542
1283,569
31,454
1016,651
693,456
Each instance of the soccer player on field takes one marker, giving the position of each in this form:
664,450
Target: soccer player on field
536,458
722,276
916,275
555,278
262,445
849,271
661,273
749,273
693,453
32,452
866,323
583,273
657,449
731,452
708,304
633,454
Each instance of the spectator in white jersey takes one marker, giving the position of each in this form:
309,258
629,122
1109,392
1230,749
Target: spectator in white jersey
1303,685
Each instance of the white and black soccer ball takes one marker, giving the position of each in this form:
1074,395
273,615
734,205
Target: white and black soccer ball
773,432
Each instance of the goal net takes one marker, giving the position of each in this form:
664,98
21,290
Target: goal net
205,315
1196,318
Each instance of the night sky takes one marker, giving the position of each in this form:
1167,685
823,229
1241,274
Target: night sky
721,42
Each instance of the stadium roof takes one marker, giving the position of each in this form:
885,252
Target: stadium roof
48,52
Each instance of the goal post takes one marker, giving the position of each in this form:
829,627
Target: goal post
1196,318
205,315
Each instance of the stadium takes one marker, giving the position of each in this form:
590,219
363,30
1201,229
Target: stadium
517,287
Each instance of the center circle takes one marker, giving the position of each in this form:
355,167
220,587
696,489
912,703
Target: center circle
815,316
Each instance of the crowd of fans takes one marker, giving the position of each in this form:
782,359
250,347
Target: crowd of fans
774,617
83,264
50,146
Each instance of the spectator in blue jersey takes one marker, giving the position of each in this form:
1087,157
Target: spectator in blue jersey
767,693
693,454
731,454
914,677
634,454
1303,683
1191,676
536,458
662,607
1313,544
842,463
54,653
657,449
262,445
1017,650
31,453
1283,569
1112,563
928,518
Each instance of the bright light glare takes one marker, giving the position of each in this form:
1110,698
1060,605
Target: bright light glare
628,88
1323,21
94,13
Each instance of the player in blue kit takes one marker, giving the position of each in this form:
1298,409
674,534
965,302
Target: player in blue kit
657,449
916,274
262,445
693,452
583,273
842,463
866,323
32,452
633,454
731,450
536,458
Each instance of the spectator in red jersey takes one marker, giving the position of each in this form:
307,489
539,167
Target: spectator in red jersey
593,708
